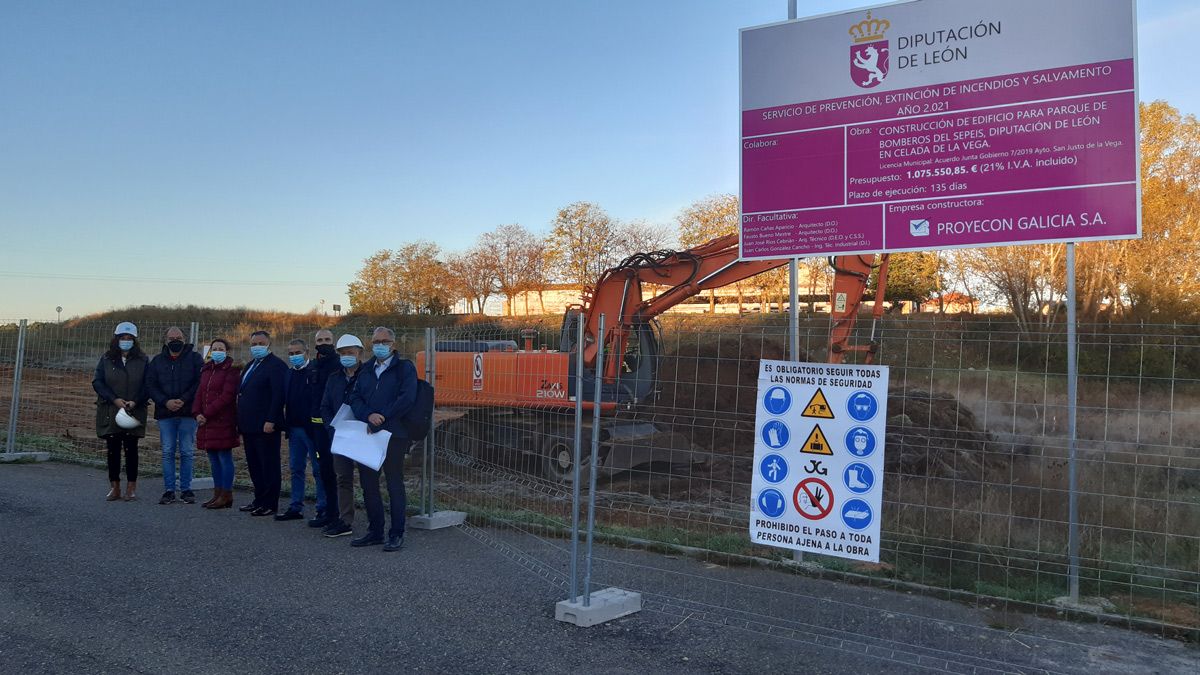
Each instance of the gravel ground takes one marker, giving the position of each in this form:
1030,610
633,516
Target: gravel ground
90,586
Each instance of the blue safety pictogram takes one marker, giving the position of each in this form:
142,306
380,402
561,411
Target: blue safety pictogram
862,406
860,441
775,434
777,400
859,478
856,514
773,468
771,503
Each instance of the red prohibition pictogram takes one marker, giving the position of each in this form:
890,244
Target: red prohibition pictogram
813,499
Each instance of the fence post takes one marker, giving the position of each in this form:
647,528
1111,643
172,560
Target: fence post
431,519
580,320
195,334
592,462
10,442
1072,402
610,603
430,447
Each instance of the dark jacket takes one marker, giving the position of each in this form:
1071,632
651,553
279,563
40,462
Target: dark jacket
337,393
390,395
170,378
298,397
216,399
114,380
260,395
318,372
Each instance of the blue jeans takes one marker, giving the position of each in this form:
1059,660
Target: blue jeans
178,434
222,468
302,451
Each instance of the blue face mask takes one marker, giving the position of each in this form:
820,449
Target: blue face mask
125,345
381,351
217,357
259,351
349,361
296,360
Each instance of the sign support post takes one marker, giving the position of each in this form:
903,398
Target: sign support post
1072,412
794,297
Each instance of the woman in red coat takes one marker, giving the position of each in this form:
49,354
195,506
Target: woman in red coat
215,408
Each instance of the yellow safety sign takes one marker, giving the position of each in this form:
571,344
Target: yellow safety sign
818,407
816,443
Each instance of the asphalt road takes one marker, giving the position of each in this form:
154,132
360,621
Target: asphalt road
90,586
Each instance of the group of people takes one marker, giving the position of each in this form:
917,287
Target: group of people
214,403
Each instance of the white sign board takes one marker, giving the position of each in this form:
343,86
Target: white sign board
477,374
818,458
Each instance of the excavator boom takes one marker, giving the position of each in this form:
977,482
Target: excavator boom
851,276
618,293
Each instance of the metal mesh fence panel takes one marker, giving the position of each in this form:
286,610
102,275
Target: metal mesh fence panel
57,411
975,490
505,440
9,330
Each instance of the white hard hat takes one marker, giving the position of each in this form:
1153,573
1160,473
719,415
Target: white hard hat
125,420
125,327
349,341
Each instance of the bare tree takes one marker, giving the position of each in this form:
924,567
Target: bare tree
472,277
640,236
515,258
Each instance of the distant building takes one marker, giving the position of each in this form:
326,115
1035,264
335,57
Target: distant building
814,297
554,299
952,303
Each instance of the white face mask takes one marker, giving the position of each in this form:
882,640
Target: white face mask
860,442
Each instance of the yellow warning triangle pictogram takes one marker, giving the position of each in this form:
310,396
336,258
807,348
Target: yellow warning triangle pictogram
816,443
818,407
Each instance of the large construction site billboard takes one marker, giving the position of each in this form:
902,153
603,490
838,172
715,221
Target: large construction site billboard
939,124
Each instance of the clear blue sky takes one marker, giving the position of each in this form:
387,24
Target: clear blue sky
266,148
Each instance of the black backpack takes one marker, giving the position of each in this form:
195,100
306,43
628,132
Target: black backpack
420,415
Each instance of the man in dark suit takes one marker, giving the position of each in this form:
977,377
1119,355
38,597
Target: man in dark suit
384,392
260,419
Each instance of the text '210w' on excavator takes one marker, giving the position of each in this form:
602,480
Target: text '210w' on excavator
497,398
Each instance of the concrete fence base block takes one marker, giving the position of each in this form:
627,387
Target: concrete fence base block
14,457
1093,605
438,520
202,483
606,605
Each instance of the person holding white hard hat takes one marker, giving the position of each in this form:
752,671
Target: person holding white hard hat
120,386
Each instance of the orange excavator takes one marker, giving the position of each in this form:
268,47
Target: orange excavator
507,399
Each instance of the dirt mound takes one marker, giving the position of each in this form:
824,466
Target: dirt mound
932,434
708,392
708,389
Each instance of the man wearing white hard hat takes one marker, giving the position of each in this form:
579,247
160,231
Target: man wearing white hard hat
120,386
337,393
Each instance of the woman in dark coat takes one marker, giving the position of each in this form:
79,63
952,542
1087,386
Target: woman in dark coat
215,408
120,384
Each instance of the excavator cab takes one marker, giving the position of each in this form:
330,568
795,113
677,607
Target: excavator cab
637,370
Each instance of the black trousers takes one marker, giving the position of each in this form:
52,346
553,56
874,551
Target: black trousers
323,442
393,469
115,443
262,459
